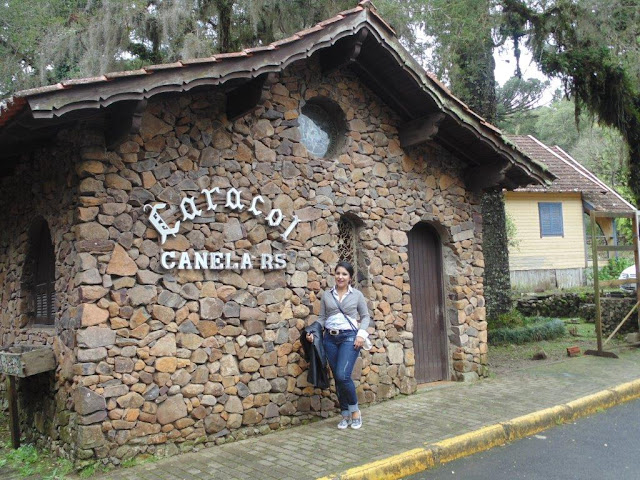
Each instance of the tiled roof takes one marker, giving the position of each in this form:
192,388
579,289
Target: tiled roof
571,176
10,107
386,67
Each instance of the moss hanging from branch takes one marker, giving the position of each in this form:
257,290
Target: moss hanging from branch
593,48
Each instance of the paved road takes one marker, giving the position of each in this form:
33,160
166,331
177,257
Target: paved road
603,446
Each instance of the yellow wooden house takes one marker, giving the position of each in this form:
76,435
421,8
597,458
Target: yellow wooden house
550,222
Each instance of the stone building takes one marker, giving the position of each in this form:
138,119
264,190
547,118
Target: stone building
168,232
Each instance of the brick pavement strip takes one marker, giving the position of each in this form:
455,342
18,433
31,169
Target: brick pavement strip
402,428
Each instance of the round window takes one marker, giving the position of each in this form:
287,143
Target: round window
318,130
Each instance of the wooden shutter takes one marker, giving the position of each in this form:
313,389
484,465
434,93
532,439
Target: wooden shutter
551,224
45,279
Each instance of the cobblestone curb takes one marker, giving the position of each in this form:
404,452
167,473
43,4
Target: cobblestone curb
435,454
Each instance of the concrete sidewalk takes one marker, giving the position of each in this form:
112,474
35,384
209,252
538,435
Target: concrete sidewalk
403,436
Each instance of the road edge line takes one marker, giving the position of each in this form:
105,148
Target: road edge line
439,453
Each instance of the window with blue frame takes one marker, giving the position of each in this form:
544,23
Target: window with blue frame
551,219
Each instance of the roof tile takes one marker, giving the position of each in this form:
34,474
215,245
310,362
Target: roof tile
331,20
163,66
193,61
38,90
571,176
315,28
222,56
284,41
128,73
264,48
84,81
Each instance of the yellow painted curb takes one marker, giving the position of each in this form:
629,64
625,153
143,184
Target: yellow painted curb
535,422
431,455
628,391
469,443
397,466
592,403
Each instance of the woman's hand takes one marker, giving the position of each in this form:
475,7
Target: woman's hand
358,342
310,337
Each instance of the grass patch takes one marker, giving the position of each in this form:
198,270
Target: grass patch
91,469
533,329
28,461
507,358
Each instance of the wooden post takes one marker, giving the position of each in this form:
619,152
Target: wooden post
596,280
636,255
14,421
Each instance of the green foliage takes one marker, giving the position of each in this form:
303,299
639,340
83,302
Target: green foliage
538,329
613,268
497,280
60,471
518,96
511,319
512,233
46,41
24,457
29,461
89,470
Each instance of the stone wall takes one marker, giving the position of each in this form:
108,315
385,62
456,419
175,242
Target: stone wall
563,305
613,310
567,305
43,186
167,359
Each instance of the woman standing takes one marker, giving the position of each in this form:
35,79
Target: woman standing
343,340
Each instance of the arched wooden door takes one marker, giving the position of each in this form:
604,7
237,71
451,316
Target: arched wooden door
429,330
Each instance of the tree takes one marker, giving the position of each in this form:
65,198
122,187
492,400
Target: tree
46,41
600,148
593,47
518,96
462,36
22,29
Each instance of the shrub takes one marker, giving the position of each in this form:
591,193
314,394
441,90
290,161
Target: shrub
536,329
614,267
511,319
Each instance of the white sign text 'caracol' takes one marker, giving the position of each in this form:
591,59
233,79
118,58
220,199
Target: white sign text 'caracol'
218,260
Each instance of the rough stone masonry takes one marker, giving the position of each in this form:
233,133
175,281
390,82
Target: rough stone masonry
158,360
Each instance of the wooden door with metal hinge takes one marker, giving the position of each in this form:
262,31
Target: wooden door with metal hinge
427,304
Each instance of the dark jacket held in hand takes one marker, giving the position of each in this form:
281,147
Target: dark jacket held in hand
314,352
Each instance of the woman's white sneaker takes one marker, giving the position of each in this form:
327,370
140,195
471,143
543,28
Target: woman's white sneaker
344,423
356,423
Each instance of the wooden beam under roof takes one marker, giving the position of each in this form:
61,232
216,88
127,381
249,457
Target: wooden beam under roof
481,177
245,98
347,52
121,120
420,130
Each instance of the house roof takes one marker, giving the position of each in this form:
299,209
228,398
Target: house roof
358,39
571,176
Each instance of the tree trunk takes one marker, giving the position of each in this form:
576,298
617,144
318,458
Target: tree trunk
497,280
473,80
225,11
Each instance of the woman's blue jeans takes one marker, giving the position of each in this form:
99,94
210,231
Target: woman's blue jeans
342,357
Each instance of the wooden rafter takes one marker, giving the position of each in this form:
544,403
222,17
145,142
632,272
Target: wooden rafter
420,130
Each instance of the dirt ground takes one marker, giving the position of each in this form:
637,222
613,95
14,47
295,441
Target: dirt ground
506,358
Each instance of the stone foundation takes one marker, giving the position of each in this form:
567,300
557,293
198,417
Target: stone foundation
567,305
